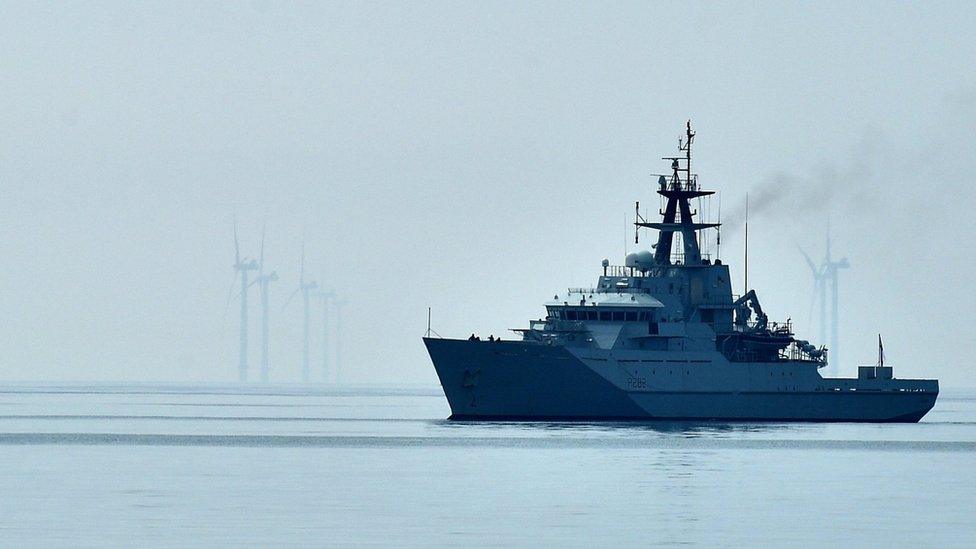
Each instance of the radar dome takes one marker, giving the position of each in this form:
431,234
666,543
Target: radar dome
644,260
630,260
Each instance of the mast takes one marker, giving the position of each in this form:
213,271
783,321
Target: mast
678,216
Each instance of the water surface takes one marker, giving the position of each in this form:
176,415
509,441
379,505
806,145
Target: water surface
212,465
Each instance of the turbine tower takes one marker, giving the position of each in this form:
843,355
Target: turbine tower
264,281
242,266
327,298
306,289
339,304
830,272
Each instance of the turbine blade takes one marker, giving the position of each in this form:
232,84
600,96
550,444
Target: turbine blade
292,296
813,298
237,246
261,261
230,295
301,275
827,260
813,268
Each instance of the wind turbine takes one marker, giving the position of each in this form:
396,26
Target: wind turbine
242,266
306,289
264,281
824,274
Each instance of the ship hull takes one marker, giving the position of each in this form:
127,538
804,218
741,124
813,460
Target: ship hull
519,381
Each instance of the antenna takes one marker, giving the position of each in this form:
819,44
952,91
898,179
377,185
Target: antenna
428,321
637,219
690,136
746,289
718,230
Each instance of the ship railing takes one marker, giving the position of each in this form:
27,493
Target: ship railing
620,270
684,183
588,291
775,328
677,259
793,352
705,300
633,272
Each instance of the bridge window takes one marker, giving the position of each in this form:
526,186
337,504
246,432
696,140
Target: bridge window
618,315
570,315
604,315
590,315
631,316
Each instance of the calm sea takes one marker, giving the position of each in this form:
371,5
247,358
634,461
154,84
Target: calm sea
287,466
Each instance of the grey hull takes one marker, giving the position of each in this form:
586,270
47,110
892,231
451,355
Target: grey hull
524,381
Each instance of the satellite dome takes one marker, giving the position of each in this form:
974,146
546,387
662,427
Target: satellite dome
630,260
644,260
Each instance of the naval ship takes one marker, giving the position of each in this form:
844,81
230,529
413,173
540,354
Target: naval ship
662,337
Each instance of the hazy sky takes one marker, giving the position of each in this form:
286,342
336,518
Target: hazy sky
472,157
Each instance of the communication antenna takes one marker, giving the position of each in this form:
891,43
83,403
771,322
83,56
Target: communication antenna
746,289
718,230
429,329
637,219
685,145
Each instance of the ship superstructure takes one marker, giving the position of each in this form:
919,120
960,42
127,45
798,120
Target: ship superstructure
663,337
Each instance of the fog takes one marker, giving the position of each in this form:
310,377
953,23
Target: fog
471,158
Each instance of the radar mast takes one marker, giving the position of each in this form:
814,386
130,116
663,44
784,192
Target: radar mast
678,189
